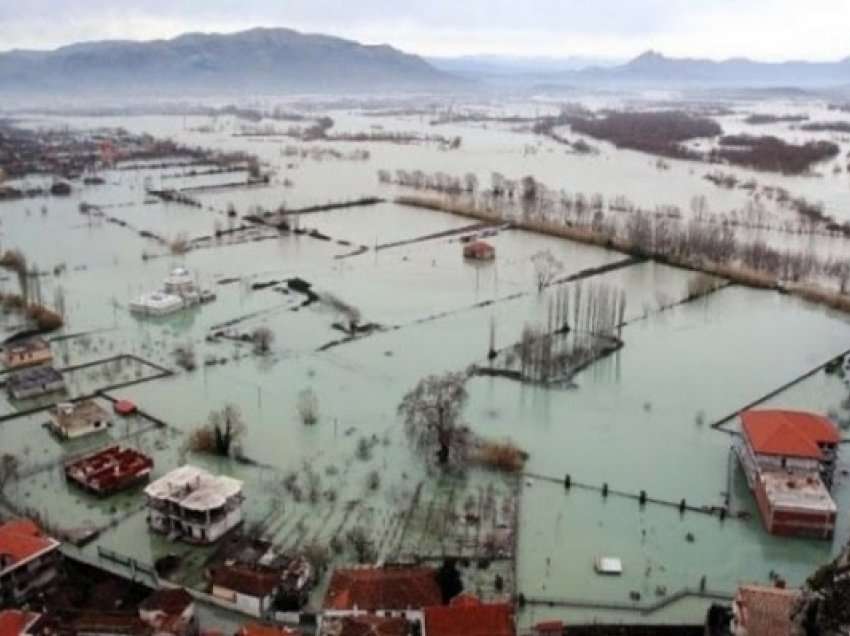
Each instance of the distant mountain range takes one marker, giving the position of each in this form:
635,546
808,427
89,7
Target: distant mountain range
265,61
654,69
651,69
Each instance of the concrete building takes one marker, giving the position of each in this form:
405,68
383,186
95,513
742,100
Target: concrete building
179,291
34,382
191,504
788,458
70,420
26,353
29,561
250,589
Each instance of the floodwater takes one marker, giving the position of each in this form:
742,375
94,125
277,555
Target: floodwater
638,420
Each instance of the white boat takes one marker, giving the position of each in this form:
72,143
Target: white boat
608,565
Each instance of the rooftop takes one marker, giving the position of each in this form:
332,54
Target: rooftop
30,344
804,492
766,611
22,539
468,616
170,601
383,588
68,414
14,622
262,629
788,433
109,464
254,581
33,376
365,625
194,488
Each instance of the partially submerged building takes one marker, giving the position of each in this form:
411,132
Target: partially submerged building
26,353
110,470
178,292
34,382
70,420
479,251
29,561
788,458
193,505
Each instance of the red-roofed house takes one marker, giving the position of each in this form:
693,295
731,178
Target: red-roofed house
763,611
170,611
788,458
384,591
29,561
367,625
264,629
17,622
468,616
250,589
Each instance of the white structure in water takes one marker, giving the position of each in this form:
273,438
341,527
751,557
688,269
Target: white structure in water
191,504
179,291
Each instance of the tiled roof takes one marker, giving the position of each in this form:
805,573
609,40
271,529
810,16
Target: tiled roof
788,433
262,629
253,581
13,622
366,625
385,588
766,611
22,539
467,616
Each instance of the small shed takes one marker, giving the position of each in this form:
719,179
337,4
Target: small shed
479,251
26,353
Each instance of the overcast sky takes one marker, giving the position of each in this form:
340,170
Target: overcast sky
763,29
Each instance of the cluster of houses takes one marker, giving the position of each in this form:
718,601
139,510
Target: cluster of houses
29,371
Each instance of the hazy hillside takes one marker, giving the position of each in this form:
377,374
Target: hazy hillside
256,61
652,68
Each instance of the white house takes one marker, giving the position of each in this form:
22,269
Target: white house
191,504
70,420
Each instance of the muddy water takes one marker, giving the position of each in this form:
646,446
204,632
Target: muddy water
631,421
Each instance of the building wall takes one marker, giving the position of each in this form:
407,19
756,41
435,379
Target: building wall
28,358
253,605
27,578
197,532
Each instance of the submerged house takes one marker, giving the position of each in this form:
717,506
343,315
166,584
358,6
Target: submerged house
70,420
34,382
191,504
479,251
179,291
29,561
110,470
788,458
763,611
26,353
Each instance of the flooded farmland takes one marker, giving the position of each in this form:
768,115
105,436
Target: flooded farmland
637,420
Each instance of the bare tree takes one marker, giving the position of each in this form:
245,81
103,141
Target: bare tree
262,337
546,267
9,465
308,407
227,426
432,416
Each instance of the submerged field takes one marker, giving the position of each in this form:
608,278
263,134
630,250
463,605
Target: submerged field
637,420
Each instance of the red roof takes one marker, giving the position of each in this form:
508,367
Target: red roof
253,581
766,611
387,588
366,625
788,433
22,539
13,622
262,629
124,407
170,601
467,616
